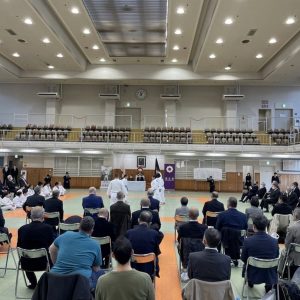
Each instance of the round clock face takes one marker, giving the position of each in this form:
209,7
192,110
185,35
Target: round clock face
141,94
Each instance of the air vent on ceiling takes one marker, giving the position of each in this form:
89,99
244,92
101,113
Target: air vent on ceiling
10,31
252,32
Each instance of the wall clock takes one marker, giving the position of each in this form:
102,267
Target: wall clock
141,94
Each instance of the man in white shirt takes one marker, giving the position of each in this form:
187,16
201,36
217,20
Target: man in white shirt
125,183
115,186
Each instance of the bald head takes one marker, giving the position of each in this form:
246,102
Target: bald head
103,213
37,213
193,213
145,202
120,196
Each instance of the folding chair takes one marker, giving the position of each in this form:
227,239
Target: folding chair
211,214
180,219
144,259
4,239
29,254
105,241
293,247
91,211
52,216
67,227
262,264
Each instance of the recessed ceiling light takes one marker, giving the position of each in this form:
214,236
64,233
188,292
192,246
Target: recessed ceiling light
259,55
174,60
50,67
46,41
102,59
212,56
185,153
227,68
176,47
28,21
178,31
290,20
272,41
219,41
60,55
75,10
62,151
180,10
228,21
86,31
95,47
16,54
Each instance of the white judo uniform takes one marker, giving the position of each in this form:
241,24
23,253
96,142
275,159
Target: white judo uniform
158,187
115,186
125,183
7,204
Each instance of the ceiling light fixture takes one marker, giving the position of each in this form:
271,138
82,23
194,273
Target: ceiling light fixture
212,56
28,21
215,154
102,59
290,20
259,55
50,67
250,155
178,31
176,47
95,47
174,60
227,68
46,41
228,21
60,55
180,10
62,151
86,31
16,54
185,153
272,41
91,152
4,150
219,41
75,10
29,150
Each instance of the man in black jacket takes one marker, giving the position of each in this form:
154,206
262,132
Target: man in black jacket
292,198
272,197
154,203
282,206
34,236
213,205
54,205
34,200
262,191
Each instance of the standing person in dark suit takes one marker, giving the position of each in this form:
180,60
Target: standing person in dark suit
120,215
282,206
154,203
248,181
92,200
47,179
14,173
213,205
34,236
211,184
67,180
262,191
296,189
275,177
144,240
203,264
260,245
292,198
272,197
104,228
5,171
54,205
23,184
34,200
145,205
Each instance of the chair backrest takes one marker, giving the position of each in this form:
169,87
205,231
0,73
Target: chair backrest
143,258
102,240
284,221
51,215
212,214
4,238
262,263
182,218
32,253
91,211
69,227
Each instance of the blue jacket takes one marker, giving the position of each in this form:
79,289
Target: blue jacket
232,218
260,245
92,201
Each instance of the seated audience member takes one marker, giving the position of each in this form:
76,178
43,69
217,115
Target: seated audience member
92,200
271,197
120,215
203,264
124,283
293,236
230,223
23,184
35,200
253,211
154,203
47,191
54,205
282,207
260,245
253,190
30,191
145,205
104,228
6,203
2,188
262,191
11,185
20,198
35,235
56,187
183,210
76,253
145,240
3,229
62,190
296,189
213,205
292,198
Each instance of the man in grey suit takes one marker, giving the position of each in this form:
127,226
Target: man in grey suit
183,210
209,264
253,211
293,236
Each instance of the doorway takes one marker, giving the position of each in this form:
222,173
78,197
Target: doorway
264,119
283,119
132,117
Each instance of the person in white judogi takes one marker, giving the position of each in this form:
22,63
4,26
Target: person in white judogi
58,187
125,183
19,199
6,203
115,186
157,185
47,191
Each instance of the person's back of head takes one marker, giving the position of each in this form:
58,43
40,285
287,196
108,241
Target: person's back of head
263,184
150,192
122,250
92,190
5,193
103,213
193,213
296,214
117,176
295,184
120,196
145,203
212,238
214,195
20,192
254,201
37,190
232,202
260,223
37,213
157,175
145,217
56,183
184,201
55,194
87,225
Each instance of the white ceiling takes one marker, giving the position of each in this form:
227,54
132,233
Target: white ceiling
201,24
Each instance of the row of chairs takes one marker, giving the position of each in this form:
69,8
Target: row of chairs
233,141
107,138
231,135
277,131
24,136
186,139
50,127
229,130
167,129
107,128
6,127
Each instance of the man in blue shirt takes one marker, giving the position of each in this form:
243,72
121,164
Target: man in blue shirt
77,253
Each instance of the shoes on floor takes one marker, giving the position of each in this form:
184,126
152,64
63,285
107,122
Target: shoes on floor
184,277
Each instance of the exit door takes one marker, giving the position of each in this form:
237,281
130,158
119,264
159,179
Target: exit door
283,118
264,120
